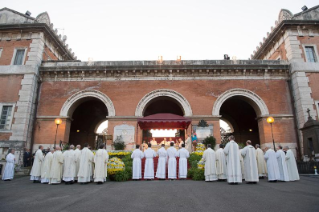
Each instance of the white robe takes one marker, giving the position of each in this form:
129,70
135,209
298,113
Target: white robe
100,160
233,164
171,153
250,164
161,165
8,172
242,167
85,169
292,166
210,165
281,158
183,154
69,165
188,144
137,157
149,154
221,169
261,163
77,160
36,168
56,168
46,167
272,165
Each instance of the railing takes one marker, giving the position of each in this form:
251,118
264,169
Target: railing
307,167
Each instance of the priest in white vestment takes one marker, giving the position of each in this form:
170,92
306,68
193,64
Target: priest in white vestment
137,157
36,168
161,165
188,144
242,167
100,160
77,153
69,165
291,165
153,142
171,153
261,163
56,167
221,169
210,164
8,172
149,154
234,175
250,163
272,165
183,154
85,170
281,158
46,167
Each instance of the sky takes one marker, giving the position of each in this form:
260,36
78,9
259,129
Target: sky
117,30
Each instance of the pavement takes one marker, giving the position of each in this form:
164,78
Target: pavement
180,195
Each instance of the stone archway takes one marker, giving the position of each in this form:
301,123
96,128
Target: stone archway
163,93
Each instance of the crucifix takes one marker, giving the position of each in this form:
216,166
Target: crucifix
309,117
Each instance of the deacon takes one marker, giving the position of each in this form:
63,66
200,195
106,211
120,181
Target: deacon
231,151
210,164
149,154
137,157
281,158
171,153
161,165
221,169
36,168
188,144
56,168
69,170
8,172
183,154
46,167
291,165
272,165
250,163
77,153
85,169
100,159
261,163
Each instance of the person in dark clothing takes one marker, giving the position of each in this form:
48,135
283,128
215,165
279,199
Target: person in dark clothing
27,158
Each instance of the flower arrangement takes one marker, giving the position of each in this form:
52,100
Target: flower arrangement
200,148
119,153
115,165
201,164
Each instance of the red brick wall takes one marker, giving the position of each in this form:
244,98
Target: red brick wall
8,50
280,52
4,136
9,87
313,84
50,53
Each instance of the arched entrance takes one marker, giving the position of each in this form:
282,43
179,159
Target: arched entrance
240,109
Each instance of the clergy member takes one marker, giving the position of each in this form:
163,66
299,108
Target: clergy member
291,165
261,163
231,151
281,158
77,153
171,153
85,170
100,160
149,154
36,168
188,144
210,164
161,165
153,142
56,167
137,157
183,154
221,169
69,168
46,167
272,165
250,163
8,172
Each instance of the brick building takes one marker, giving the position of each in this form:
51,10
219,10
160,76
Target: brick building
41,80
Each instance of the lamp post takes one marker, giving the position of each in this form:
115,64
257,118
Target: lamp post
57,122
271,120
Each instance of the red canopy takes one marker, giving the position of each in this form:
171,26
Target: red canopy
164,121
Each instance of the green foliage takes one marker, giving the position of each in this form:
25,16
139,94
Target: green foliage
126,174
210,140
119,145
122,176
190,172
241,145
198,174
202,123
194,157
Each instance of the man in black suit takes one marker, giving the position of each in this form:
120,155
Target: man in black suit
27,158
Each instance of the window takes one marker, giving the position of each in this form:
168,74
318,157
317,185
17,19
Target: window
310,54
6,117
19,57
0,51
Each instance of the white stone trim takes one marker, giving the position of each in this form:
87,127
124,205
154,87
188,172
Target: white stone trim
260,106
87,93
315,49
12,112
164,92
317,107
15,52
1,49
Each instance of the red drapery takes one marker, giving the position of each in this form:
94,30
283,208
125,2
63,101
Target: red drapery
164,121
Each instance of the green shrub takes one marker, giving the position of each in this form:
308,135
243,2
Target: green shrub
210,140
198,174
190,172
121,176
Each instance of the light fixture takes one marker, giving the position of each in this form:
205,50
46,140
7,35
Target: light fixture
57,121
78,131
271,120
250,130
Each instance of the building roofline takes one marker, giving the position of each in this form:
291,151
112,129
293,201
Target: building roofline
16,12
